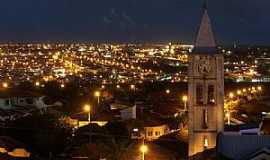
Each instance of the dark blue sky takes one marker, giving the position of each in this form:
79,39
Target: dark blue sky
242,21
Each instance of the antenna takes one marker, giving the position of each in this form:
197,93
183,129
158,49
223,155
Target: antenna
205,4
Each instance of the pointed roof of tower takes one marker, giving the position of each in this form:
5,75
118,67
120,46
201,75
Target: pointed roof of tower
205,38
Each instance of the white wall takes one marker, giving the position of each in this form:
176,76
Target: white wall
156,131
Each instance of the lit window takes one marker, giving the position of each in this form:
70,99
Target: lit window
205,143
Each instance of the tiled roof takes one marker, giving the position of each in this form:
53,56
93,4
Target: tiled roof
258,153
239,146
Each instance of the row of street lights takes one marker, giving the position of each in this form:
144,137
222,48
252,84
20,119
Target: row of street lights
240,93
231,96
245,90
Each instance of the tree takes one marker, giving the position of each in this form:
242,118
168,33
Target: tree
183,125
43,134
116,149
110,142
118,129
91,151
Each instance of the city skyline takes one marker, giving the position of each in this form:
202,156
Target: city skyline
134,80
132,21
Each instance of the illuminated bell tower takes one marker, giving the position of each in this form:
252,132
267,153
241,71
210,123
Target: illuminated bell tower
205,90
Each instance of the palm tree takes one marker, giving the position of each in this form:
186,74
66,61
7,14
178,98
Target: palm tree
183,124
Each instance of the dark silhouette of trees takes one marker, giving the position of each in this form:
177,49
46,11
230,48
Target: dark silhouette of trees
43,134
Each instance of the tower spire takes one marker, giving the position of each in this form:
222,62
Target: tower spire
205,5
205,37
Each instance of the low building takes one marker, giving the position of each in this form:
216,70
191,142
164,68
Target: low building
244,129
15,104
244,147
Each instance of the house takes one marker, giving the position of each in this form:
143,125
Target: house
11,99
152,127
154,131
13,148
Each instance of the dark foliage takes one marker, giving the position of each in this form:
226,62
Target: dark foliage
43,134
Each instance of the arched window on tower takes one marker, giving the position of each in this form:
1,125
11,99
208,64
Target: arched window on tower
205,142
199,94
211,94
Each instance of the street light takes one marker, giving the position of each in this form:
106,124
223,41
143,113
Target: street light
87,108
143,149
259,88
228,115
184,99
37,84
239,92
5,85
132,87
103,86
168,91
231,95
97,94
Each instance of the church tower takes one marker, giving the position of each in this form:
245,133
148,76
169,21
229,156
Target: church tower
205,90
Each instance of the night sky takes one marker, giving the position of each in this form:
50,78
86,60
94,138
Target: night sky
240,21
